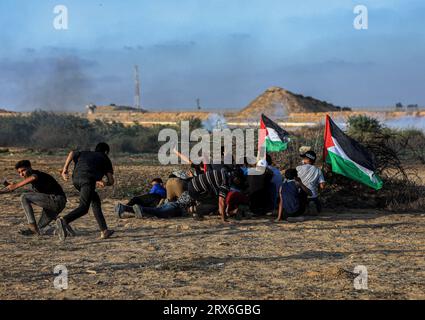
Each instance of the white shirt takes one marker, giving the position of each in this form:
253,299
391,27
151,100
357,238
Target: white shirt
311,177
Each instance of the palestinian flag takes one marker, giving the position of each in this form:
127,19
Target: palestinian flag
275,138
348,158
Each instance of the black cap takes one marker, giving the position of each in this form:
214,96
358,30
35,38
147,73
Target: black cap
310,155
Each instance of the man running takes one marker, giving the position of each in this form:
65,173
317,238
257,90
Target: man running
48,194
89,170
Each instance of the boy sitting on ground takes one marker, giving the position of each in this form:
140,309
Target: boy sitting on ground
151,199
292,196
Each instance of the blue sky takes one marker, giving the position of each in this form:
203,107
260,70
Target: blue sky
224,52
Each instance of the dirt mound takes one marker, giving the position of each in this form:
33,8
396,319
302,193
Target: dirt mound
279,103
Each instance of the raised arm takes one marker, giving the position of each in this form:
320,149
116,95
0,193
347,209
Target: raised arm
68,161
182,156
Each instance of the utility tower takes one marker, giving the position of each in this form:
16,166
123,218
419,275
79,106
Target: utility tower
137,88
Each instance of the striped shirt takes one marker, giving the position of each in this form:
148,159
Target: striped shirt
216,181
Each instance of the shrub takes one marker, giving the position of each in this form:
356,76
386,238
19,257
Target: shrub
45,130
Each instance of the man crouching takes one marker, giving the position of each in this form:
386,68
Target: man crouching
48,194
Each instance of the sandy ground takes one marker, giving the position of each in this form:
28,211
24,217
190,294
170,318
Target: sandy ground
187,259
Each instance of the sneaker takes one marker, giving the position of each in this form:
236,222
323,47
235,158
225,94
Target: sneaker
27,232
138,211
119,210
47,230
61,229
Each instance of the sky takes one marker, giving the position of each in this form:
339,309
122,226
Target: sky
224,52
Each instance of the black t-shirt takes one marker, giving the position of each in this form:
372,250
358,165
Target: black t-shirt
259,182
46,184
91,165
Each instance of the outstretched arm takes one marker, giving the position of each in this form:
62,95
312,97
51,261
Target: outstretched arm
66,166
14,186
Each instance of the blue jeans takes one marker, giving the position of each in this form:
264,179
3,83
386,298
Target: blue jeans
168,210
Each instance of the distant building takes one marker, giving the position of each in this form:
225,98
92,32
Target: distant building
91,109
412,107
399,106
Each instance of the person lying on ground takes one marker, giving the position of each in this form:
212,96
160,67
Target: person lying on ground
151,199
312,177
292,196
176,184
211,182
89,169
47,194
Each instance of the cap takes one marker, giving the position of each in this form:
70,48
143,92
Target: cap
262,163
310,155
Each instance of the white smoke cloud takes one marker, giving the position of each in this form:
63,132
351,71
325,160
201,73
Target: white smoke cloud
407,122
215,121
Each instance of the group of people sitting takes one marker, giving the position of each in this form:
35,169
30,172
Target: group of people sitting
232,191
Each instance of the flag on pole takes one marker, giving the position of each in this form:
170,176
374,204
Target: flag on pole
274,137
348,158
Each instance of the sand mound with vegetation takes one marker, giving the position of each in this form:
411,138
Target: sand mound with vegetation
278,102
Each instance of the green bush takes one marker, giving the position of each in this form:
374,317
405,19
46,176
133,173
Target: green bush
45,130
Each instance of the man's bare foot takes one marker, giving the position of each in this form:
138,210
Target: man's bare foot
106,234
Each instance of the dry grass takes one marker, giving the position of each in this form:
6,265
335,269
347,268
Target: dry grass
186,259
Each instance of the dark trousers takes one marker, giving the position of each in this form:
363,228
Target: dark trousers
305,200
145,200
260,202
88,197
317,203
